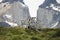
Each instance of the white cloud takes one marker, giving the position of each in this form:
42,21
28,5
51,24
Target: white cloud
33,6
0,0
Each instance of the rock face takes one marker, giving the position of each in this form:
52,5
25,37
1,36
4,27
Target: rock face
48,3
14,12
48,15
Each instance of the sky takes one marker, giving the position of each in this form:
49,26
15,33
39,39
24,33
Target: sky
33,6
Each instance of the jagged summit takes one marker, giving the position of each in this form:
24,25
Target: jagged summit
48,3
51,4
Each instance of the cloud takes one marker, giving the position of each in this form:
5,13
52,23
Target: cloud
33,6
1,0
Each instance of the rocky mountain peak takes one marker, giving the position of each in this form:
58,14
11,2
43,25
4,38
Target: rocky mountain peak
48,3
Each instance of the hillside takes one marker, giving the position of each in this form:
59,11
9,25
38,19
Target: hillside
18,33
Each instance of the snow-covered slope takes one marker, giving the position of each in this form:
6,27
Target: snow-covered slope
13,12
49,14
51,4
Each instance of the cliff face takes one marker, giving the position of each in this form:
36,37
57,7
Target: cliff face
14,12
48,15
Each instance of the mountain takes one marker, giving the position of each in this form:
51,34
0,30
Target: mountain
48,3
14,12
48,14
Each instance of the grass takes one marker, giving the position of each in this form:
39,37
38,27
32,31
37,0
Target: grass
18,33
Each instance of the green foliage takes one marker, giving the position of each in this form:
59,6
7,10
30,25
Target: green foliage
18,33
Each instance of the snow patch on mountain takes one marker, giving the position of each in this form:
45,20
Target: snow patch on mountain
11,24
23,5
54,25
54,7
58,1
8,16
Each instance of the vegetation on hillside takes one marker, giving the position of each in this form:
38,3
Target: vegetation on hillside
18,33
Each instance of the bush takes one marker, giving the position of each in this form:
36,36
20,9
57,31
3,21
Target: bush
18,33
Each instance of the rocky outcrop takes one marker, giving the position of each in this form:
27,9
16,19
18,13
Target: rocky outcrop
48,15
14,12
